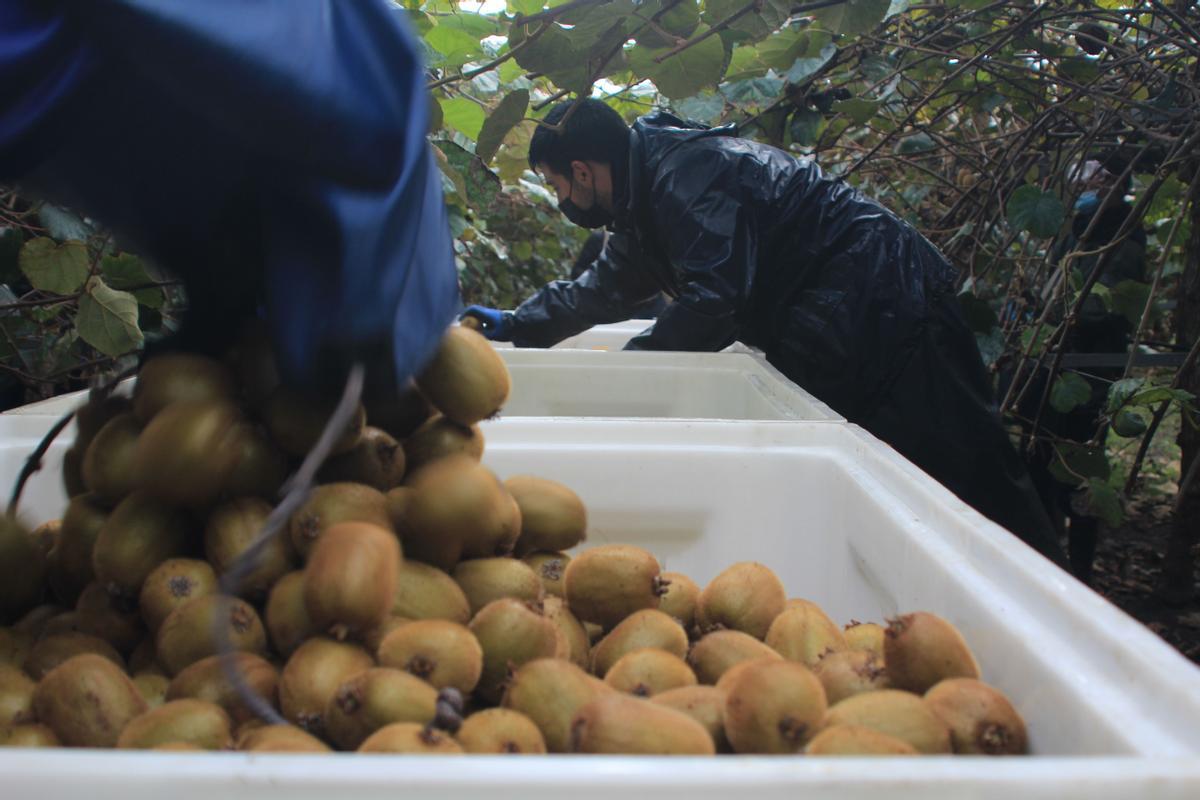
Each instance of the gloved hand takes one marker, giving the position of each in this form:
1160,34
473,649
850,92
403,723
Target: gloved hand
496,324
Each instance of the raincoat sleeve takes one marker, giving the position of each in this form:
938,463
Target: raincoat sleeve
614,288
712,244
279,144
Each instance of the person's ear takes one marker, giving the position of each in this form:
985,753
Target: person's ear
581,173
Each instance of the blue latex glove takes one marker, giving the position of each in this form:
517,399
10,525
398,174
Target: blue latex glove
273,150
497,324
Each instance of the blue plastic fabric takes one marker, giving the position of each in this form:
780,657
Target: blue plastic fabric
271,149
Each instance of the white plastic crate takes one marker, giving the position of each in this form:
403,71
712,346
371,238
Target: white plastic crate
579,383
612,336
1113,712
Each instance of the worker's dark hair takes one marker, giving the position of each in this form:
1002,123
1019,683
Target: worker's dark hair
594,132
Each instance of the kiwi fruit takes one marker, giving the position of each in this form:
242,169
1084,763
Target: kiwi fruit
287,619
896,713
649,671
350,579
550,568
373,698
746,597
729,676
22,569
46,536
190,632
334,503
500,730
107,467
572,635
232,527
457,501
280,739
646,628
141,533
260,468
803,633
981,719
410,737
680,599
855,740
72,471
617,723
195,722
864,636
400,414
466,379
153,687
109,617
374,637
16,697
208,680
87,701
312,676
59,648
511,633
718,651
70,567
144,658
377,461
850,672
549,691
180,378
35,620
29,734
774,707
921,649
93,413
170,585
425,592
296,421
440,438
15,646
186,453
705,704
439,652
552,515
608,583
486,579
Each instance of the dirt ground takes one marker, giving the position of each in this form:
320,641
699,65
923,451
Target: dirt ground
1128,565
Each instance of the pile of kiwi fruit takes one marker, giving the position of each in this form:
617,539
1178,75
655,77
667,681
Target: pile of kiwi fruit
415,602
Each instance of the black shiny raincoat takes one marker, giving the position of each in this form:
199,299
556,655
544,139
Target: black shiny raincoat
842,296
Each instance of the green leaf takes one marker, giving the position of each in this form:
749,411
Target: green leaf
806,127
1157,394
1076,462
456,46
63,223
11,240
463,115
755,25
1079,69
1119,392
686,72
752,91
897,7
126,271
917,143
1031,209
478,25
980,316
991,346
108,319
858,109
852,16
58,268
706,107
525,7
1129,298
1069,391
1104,503
481,184
1128,423
510,112
679,21
808,64
554,54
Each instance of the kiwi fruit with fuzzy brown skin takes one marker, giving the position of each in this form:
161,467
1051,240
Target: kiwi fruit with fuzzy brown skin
29,734
373,698
646,628
608,583
350,578
16,697
377,461
410,737
774,707
440,438
87,701
439,652
288,622
398,413
107,466
500,731
188,634
649,671
803,632
141,533
573,636
52,651
153,687
899,714
921,649
851,672
746,597
180,378
549,691
15,646
457,501
186,453
109,617
260,468
680,599
510,633
855,740
425,592
280,739
296,421
207,680
194,722
466,379
173,583
22,569
618,723
332,504
705,704
311,677
552,516
486,579
70,565
550,567
232,527
865,636
718,651
981,719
